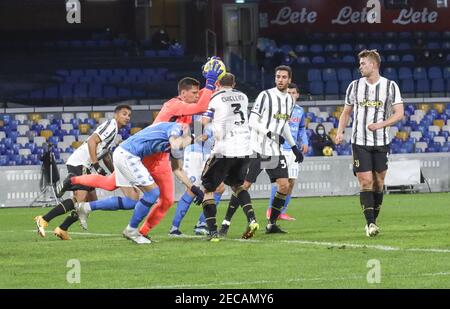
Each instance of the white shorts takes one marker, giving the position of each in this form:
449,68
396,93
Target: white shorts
193,164
129,169
293,167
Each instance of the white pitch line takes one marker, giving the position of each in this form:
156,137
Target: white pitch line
302,242
251,283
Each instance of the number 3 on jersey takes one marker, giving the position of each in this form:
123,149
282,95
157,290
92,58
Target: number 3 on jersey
237,110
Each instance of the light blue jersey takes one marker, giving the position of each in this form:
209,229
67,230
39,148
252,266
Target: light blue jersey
297,126
152,139
201,147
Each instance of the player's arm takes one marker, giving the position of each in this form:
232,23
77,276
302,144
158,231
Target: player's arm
92,143
301,135
107,160
186,109
343,121
350,100
288,136
181,175
254,120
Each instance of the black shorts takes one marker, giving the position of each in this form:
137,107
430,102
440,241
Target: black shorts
231,171
79,170
275,166
370,158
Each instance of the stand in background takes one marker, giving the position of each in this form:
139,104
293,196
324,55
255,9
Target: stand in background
49,179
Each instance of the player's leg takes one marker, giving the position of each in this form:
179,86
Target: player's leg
363,167
201,227
80,195
164,179
112,203
107,183
182,207
284,215
380,170
280,175
254,169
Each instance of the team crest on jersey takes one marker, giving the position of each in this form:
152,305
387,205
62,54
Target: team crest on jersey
279,116
369,103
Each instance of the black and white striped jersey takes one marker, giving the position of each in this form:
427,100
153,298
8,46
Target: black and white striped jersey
371,103
107,132
272,110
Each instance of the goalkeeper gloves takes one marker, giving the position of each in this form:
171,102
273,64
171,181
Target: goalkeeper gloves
212,75
100,170
199,195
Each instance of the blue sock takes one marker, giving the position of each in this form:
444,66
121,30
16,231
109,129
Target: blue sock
201,220
143,207
182,208
272,194
288,198
113,203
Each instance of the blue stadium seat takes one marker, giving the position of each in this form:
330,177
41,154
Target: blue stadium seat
408,58
330,48
407,86
331,87
405,73
446,72
329,74
434,72
303,60
316,87
344,74
316,48
437,85
390,47
433,45
301,48
314,75
390,73
356,74
376,46
393,58
348,59
422,86
404,46
359,47
420,73
343,86
318,59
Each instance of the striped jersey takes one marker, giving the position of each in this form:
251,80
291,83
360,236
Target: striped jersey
228,111
272,109
371,103
107,132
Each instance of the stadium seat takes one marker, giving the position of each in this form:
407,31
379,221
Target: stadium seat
420,73
390,73
423,86
408,58
331,87
22,140
318,59
69,139
314,75
23,129
329,74
438,85
76,144
405,73
84,128
21,118
46,134
407,86
417,135
439,139
344,74
439,123
316,88
35,117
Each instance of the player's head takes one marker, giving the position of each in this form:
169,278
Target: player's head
283,77
369,62
294,91
227,81
188,89
122,114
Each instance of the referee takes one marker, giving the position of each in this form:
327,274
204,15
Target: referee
376,103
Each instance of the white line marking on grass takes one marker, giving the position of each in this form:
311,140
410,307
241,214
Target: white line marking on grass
302,242
86,234
251,283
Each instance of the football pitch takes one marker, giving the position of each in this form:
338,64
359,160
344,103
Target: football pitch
326,247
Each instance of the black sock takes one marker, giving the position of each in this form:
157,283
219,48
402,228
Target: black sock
367,204
69,221
60,209
232,206
277,205
378,200
210,210
246,202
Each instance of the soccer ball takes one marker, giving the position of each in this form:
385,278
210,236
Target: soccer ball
327,151
210,63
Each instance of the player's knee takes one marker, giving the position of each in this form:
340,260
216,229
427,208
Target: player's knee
366,183
166,201
246,185
283,187
151,196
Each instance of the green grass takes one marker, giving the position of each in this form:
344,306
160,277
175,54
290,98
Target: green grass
325,248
